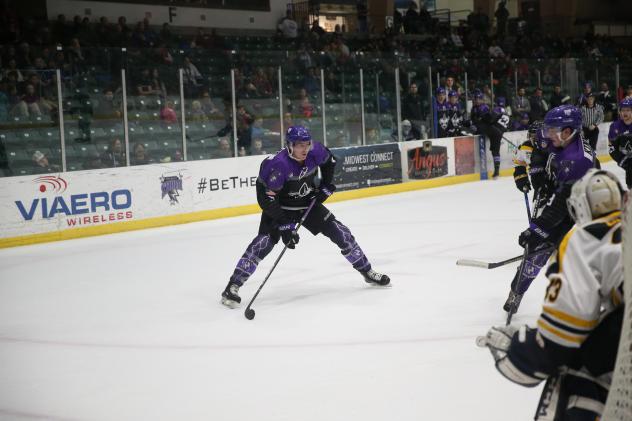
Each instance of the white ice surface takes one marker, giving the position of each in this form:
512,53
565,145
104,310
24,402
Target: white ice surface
129,326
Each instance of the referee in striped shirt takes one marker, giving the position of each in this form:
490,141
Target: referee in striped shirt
592,117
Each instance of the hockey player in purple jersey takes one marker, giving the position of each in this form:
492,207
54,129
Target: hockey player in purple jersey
491,125
442,107
285,188
620,139
455,113
570,157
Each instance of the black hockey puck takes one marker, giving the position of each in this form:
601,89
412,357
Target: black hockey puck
249,313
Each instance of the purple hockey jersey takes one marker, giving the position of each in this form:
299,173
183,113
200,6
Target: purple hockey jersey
291,180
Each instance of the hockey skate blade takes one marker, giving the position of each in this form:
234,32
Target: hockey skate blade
229,303
481,341
472,263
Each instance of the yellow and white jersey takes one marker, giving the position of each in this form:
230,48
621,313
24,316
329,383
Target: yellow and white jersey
586,281
522,155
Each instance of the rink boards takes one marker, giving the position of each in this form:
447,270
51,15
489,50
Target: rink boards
51,207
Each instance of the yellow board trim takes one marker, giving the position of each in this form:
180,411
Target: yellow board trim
186,218
567,318
544,325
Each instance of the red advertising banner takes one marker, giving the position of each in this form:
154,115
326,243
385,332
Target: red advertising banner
464,151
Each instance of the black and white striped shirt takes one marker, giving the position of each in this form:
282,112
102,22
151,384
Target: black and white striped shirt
592,115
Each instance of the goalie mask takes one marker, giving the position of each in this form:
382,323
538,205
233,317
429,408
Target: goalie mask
596,194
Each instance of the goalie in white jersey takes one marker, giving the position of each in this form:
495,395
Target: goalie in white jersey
574,345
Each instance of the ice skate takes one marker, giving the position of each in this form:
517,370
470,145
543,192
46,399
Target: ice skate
375,278
230,296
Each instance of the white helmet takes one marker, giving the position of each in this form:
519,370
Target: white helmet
596,194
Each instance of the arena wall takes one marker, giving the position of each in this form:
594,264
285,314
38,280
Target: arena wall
41,208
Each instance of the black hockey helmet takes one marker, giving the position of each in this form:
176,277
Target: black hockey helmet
534,129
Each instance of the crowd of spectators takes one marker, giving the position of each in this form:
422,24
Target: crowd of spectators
90,54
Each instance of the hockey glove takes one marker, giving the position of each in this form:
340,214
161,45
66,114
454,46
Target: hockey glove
522,179
289,235
532,237
324,192
538,177
499,340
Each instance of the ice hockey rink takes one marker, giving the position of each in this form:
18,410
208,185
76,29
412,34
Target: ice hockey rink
129,326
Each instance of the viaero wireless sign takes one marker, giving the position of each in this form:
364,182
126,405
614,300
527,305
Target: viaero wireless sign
79,209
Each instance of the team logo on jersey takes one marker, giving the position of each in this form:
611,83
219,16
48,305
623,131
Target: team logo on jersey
170,186
303,172
304,191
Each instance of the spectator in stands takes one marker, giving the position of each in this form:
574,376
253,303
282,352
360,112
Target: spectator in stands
305,107
317,30
587,90
538,105
4,102
29,106
114,156
157,85
557,97
411,19
12,67
140,155
168,114
362,12
191,78
494,49
144,84
224,150
412,105
107,107
244,123
263,87
93,162
409,132
487,95
257,146
608,101
311,82
41,164
592,117
76,56
451,85
502,15
372,136
288,27
197,113
520,103
208,106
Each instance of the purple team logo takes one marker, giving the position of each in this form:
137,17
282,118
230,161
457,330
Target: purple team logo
170,186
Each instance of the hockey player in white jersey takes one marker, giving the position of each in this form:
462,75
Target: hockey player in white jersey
574,345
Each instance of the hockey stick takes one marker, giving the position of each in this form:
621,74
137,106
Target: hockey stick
510,142
249,312
526,202
487,265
